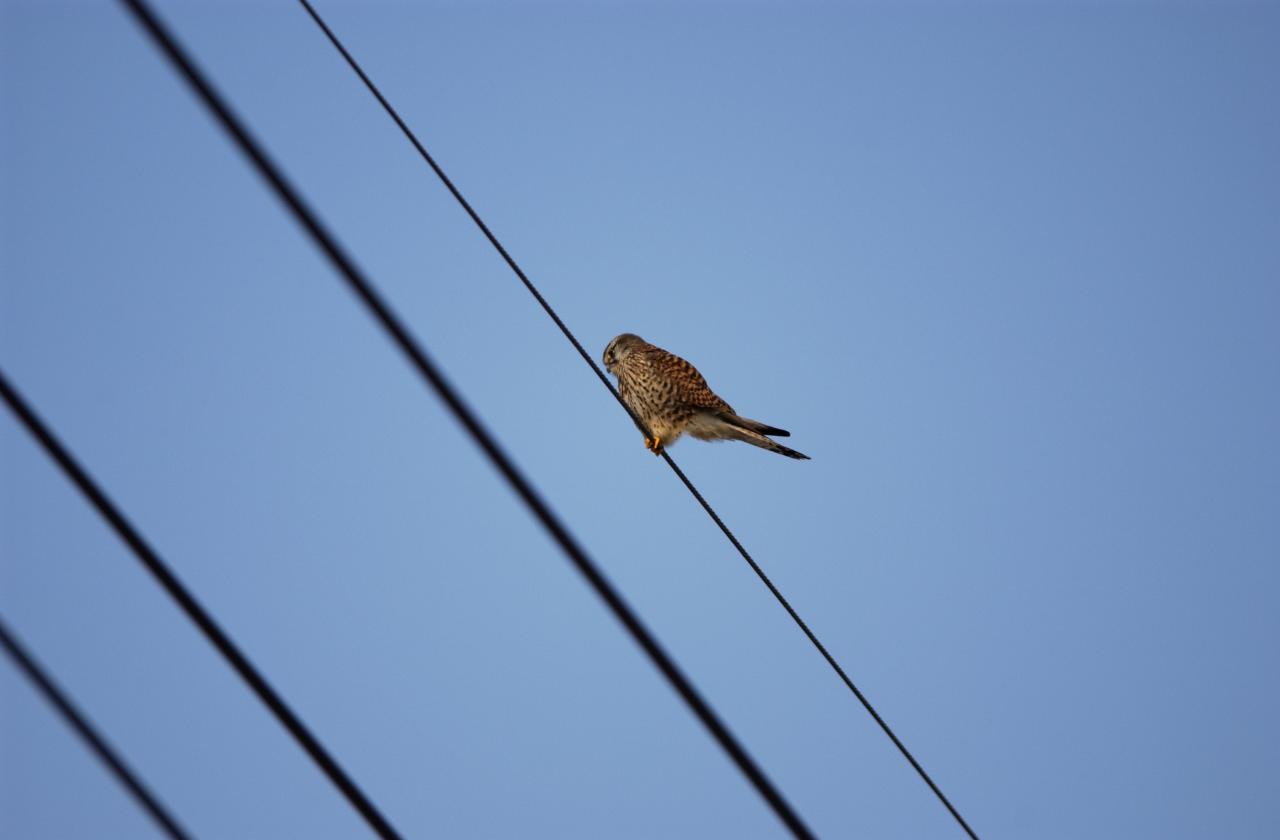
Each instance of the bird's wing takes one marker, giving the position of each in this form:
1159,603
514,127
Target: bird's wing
690,388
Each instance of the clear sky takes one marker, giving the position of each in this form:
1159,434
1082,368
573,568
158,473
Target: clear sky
1009,273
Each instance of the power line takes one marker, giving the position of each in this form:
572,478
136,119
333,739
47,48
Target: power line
197,613
528,284
77,720
470,421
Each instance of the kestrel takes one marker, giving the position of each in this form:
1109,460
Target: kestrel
671,398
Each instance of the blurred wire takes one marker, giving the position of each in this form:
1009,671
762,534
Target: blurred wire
76,719
197,613
528,284
418,358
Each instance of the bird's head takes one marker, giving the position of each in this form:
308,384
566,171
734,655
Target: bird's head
619,349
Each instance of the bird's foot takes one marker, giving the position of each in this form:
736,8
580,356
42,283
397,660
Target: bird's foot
654,445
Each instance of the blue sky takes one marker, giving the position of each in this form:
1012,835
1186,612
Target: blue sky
1009,273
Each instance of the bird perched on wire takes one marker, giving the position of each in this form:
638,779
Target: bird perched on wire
670,397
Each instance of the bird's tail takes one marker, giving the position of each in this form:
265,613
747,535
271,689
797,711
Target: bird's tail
753,432
755,426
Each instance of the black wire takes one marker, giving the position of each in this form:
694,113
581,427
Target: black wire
528,284
197,613
420,361
475,217
77,720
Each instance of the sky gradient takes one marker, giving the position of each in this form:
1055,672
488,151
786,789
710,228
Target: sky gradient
1009,273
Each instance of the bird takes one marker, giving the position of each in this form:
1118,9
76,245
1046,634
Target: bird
671,398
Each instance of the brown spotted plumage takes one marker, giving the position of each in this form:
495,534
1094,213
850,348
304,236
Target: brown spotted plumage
671,398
